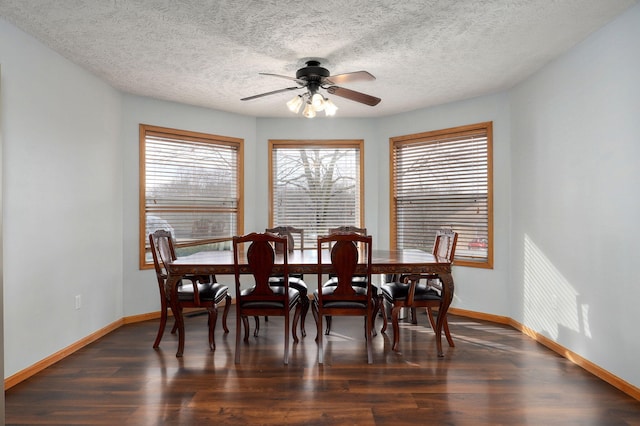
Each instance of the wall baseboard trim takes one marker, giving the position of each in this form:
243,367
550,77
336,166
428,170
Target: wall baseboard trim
592,368
23,375
142,317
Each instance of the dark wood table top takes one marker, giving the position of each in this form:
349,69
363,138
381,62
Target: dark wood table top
305,261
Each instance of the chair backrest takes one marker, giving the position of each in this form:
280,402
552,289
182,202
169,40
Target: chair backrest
444,245
289,232
261,258
348,228
344,260
161,244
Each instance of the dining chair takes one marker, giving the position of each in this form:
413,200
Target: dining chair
358,281
199,292
259,298
344,298
295,280
420,290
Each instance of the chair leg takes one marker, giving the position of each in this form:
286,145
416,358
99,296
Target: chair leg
383,307
227,307
447,334
296,318
318,317
286,337
414,317
180,325
163,324
238,320
384,312
378,306
328,325
245,321
431,320
369,338
213,318
368,322
395,312
303,315
445,326
175,327
257,330
314,312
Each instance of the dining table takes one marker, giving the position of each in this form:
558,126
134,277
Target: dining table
305,261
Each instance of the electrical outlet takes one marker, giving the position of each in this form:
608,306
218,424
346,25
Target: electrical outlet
78,302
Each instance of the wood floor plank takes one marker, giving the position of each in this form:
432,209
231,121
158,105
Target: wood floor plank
494,375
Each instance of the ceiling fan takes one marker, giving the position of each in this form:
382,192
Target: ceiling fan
313,77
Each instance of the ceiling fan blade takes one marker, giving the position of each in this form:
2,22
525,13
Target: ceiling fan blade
269,93
353,95
297,80
349,77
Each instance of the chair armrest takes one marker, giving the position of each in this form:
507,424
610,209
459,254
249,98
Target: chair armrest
413,281
194,283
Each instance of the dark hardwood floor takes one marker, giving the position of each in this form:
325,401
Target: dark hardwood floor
494,375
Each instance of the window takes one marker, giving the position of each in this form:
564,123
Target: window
190,184
315,185
442,179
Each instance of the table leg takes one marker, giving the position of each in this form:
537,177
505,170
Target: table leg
447,298
171,287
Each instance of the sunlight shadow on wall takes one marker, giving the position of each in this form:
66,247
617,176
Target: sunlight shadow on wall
550,301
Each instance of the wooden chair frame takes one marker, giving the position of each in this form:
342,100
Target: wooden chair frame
379,307
343,299
444,248
262,299
289,231
162,250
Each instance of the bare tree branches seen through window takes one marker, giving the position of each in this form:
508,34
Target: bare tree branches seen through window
315,185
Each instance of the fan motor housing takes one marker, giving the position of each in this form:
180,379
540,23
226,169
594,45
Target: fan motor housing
313,71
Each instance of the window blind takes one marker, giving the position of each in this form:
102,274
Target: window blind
316,186
191,188
442,181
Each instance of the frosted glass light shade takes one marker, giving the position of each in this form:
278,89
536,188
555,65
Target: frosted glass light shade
330,108
295,104
317,102
309,112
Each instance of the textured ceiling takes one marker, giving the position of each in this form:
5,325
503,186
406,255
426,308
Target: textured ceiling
209,53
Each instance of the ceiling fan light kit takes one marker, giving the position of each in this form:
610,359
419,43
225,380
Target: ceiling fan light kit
313,77
313,104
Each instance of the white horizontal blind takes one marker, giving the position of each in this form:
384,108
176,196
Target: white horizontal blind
442,181
315,187
191,188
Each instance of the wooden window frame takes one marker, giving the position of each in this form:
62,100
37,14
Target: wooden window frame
439,136
186,136
324,144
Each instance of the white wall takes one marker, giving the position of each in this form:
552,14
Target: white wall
62,170
575,147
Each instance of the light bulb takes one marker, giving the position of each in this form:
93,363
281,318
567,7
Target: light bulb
295,104
317,101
